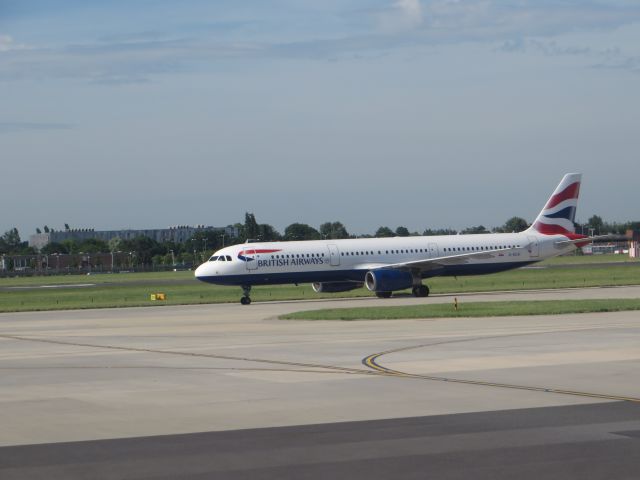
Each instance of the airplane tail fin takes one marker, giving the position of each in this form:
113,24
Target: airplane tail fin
558,214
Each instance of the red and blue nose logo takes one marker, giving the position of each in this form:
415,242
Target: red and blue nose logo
248,255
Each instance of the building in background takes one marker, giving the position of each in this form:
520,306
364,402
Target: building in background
634,243
178,234
615,244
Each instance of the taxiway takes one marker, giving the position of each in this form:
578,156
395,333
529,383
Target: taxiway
118,374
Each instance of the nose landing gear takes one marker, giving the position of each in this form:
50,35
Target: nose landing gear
246,290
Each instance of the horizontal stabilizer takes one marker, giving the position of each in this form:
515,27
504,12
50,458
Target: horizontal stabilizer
584,240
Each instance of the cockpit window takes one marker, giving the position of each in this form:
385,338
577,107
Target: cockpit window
214,258
228,258
221,258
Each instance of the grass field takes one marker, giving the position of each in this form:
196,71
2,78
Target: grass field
589,259
134,289
472,309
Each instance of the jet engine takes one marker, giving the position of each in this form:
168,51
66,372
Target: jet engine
387,280
334,287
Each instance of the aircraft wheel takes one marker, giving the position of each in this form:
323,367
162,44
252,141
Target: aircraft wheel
383,294
245,300
421,291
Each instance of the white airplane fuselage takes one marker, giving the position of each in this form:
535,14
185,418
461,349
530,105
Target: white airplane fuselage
386,265
349,260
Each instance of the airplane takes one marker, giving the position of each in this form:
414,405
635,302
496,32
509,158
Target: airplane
387,265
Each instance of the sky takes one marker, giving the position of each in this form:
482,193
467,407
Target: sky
426,114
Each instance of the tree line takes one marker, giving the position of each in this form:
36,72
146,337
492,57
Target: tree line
148,251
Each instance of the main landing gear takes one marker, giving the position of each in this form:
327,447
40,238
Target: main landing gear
420,291
383,294
246,290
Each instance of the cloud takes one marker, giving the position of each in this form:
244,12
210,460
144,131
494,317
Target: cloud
514,24
12,127
402,15
7,44
117,62
601,58
616,61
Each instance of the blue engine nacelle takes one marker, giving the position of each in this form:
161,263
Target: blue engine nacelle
334,287
388,280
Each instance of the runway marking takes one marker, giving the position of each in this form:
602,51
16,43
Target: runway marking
371,362
153,367
32,287
319,367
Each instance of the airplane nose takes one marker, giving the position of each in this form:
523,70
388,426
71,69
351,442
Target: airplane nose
200,271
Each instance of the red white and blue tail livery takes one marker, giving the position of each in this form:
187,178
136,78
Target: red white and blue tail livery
559,213
387,265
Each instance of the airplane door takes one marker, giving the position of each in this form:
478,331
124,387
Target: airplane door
533,247
251,259
334,255
433,250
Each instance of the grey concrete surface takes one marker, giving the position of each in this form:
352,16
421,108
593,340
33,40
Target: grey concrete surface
600,441
101,374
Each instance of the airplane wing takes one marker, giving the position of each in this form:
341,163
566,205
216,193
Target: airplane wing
439,262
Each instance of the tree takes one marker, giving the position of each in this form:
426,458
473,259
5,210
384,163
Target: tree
402,232
145,249
333,230
384,232
46,229
10,242
251,228
71,245
66,227
439,231
38,230
54,247
596,223
94,245
267,233
514,224
301,231
472,230
115,244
